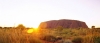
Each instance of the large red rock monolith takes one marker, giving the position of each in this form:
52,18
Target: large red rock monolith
65,23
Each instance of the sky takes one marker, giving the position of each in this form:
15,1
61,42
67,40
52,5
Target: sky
31,13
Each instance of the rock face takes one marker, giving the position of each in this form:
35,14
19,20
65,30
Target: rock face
65,23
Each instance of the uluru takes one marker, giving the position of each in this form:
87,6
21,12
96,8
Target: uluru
65,23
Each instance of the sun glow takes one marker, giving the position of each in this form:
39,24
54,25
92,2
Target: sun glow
32,30
35,28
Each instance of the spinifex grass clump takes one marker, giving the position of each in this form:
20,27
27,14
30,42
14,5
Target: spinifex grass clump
88,39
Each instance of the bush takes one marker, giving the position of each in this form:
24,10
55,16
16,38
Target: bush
77,40
21,26
97,40
49,38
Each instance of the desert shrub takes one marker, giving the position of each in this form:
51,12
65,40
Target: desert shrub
77,40
96,39
49,38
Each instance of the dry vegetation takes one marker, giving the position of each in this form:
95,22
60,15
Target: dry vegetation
17,36
74,35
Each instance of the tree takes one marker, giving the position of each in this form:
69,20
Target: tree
20,26
93,27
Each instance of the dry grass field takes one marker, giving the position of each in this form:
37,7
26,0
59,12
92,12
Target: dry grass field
48,35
